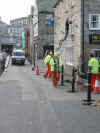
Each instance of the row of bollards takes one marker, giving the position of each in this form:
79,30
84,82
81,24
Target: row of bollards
87,101
73,78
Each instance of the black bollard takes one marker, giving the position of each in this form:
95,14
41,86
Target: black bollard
62,76
89,88
73,80
88,101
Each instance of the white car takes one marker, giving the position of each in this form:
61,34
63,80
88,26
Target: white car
18,57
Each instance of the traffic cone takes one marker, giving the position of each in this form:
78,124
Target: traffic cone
96,87
37,70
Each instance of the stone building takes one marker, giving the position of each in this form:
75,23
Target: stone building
77,31
91,32
67,37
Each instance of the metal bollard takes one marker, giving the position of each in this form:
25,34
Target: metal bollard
88,101
62,76
89,88
73,80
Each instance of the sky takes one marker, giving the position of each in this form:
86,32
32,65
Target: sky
12,9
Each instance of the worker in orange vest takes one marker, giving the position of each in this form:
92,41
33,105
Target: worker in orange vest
93,65
56,65
47,62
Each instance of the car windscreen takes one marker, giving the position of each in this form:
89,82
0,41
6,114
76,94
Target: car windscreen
18,53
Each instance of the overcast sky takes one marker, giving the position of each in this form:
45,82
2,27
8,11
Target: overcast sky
11,9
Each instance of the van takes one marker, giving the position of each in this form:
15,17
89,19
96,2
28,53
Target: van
18,57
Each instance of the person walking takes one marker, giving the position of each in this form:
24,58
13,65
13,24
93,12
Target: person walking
47,63
93,65
56,65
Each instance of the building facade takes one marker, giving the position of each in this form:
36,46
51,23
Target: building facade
45,31
3,28
45,26
67,33
20,26
6,43
76,31
91,33
17,26
46,5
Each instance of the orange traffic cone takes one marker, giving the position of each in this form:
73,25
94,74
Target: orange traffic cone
37,70
95,83
96,87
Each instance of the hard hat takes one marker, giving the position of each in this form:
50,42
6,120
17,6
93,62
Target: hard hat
56,54
51,52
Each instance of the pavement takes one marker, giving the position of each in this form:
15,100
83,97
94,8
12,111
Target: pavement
81,88
30,104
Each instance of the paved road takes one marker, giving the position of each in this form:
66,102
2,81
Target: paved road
29,104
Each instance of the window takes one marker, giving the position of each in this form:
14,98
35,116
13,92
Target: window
69,56
58,11
66,4
12,30
72,3
9,30
97,54
94,21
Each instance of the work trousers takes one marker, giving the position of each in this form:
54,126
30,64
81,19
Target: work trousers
48,71
55,78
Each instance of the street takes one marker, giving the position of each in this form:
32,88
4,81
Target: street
30,104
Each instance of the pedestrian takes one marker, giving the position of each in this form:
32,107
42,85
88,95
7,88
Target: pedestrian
56,65
93,66
47,62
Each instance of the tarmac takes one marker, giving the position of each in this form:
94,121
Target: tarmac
29,103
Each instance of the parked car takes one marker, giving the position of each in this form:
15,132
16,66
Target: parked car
18,57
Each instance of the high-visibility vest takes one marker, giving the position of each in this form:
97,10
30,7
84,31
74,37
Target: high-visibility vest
56,65
94,65
47,59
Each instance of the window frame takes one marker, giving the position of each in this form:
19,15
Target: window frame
72,3
90,22
66,4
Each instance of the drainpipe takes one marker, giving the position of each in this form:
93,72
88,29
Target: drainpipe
82,36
